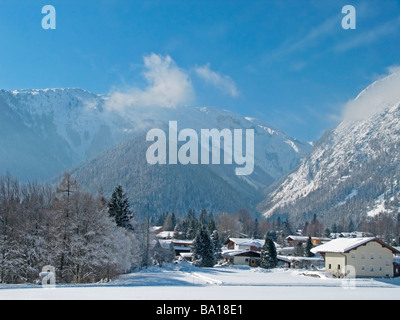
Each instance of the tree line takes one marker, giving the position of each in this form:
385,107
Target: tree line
65,227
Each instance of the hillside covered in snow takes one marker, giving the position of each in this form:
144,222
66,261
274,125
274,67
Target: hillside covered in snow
353,171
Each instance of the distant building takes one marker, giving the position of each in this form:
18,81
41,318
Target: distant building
246,244
358,257
242,257
294,240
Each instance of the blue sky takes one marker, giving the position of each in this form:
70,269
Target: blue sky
289,63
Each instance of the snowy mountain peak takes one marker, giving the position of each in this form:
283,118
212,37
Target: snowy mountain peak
350,167
72,125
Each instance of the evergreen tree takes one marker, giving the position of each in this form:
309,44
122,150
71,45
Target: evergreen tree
168,223
216,244
203,217
173,219
118,209
212,225
335,229
203,249
179,232
299,249
351,227
272,235
191,224
256,227
287,228
268,257
327,232
160,219
307,251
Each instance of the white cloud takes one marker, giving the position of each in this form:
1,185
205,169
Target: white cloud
383,93
168,86
222,82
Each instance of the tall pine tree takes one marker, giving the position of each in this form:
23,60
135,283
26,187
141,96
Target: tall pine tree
268,257
309,245
203,249
217,244
118,209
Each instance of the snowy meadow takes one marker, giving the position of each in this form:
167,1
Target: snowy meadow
185,282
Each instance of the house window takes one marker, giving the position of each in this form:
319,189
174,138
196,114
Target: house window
371,268
362,255
338,266
353,255
363,268
380,268
247,259
387,263
372,256
330,266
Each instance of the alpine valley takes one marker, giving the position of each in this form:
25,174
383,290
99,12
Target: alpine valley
47,132
353,171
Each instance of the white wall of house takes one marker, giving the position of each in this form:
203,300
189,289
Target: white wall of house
238,260
335,263
369,260
241,247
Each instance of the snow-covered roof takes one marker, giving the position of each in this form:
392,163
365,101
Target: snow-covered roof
343,244
296,258
155,228
181,248
165,234
165,244
186,254
297,238
251,242
248,242
189,242
232,253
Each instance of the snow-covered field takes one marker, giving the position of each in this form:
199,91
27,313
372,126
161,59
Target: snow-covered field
185,282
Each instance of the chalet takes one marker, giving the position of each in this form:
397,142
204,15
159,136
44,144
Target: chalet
354,234
242,257
156,229
182,246
188,256
246,244
165,235
358,257
294,240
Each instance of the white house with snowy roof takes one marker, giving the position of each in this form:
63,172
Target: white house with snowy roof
246,244
358,257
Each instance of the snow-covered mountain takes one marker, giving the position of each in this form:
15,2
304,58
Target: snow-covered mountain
353,170
45,132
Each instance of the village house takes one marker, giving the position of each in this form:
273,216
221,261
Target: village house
242,257
244,251
294,240
358,257
247,244
244,244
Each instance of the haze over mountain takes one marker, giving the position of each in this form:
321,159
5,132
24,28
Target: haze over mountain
45,132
